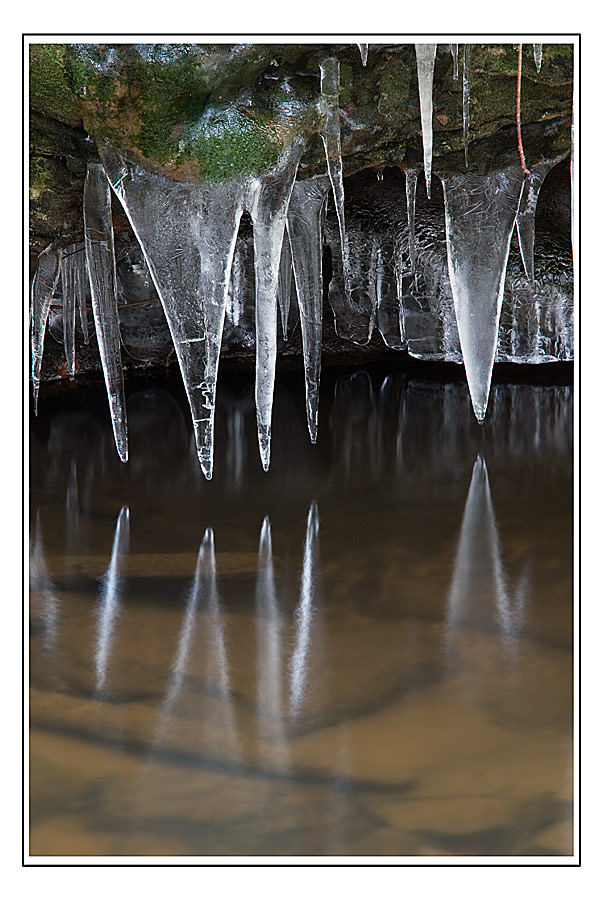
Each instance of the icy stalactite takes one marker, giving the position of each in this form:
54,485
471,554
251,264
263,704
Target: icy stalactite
425,65
304,614
411,197
329,88
364,49
285,278
270,194
466,98
42,291
454,49
100,256
389,312
480,216
110,598
526,217
305,228
538,56
187,233
68,277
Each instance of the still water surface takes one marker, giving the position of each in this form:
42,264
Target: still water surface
366,651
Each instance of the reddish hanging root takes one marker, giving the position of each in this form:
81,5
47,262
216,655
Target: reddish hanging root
526,171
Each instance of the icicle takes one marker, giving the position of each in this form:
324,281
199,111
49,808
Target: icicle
454,49
69,266
42,291
389,312
379,173
100,255
425,65
304,225
411,196
187,233
110,597
526,217
480,215
303,613
466,99
538,56
284,287
364,49
271,193
329,88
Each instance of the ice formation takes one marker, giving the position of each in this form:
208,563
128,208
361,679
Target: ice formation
425,65
526,216
329,89
100,256
364,49
538,56
480,217
42,291
466,97
454,49
411,196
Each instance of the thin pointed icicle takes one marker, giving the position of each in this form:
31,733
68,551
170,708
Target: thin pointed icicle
480,216
454,49
331,138
42,291
411,196
68,282
466,99
285,277
304,225
187,233
364,49
526,217
426,54
270,200
538,56
304,614
100,255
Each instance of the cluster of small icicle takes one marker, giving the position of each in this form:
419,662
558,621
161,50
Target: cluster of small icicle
188,232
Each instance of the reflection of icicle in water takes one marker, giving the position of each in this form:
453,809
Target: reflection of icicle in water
466,98
454,49
478,568
364,49
411,196
187,233
329,88
42,291
480,215
100,256
425,65
271,194
303,613
269,693
109,597
305,225
526,216
41,582
538,56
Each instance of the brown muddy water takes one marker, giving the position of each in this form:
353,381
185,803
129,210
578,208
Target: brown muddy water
365,652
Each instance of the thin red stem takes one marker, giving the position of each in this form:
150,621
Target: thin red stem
526,171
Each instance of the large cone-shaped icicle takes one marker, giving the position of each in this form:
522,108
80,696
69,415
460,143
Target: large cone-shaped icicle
526,217
100,256
364,49
270,201
329,88
304,614
42,291
466,98
480,215
425,65
304,225
187,233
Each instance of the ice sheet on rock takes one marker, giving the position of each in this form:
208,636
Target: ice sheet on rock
100,256
353,306
425,54
42,291
454,49
187,233
411,196
364,49
329,88
305,228
389,314
466,98
270,195
304,614
526,217
480,216
538,56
